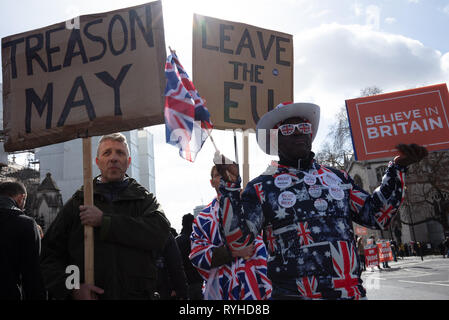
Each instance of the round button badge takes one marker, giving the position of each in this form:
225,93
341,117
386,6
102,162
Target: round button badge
315,191
337,193
320,204
330,180
283,181
310,179
287,199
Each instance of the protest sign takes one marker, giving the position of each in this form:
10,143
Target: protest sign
385,253
371,257
378,123
103,75
361,231
242,71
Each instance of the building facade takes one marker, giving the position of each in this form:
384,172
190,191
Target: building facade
47,202
368,175
415,221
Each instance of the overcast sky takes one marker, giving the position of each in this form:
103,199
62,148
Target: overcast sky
340,47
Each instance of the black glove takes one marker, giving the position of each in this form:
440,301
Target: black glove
409,154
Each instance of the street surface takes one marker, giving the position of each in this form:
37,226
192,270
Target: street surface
409,279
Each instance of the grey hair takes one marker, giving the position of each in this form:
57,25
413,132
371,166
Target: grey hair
119,137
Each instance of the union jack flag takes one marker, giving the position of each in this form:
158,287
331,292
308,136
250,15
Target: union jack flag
344,259
307,287
239,280
357,200
384,216
205,233
270,238
252,274
259,192
304,234
187,119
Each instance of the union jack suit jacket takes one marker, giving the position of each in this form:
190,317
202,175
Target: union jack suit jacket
307,221
239,280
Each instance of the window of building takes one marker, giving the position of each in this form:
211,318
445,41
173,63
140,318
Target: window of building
358,181
380,171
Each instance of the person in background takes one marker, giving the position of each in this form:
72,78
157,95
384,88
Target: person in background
20,241
446,244
394,250
172,281
361,252
419,250
384,263
194,279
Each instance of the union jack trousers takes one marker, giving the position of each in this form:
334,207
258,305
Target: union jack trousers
307,220
239,280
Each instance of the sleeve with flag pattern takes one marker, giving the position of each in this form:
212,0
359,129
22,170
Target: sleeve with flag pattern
378,210
207,251
242,216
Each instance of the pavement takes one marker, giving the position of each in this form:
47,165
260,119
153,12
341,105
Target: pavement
411,260
404,263
409,278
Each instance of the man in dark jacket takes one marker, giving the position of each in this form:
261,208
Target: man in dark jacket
129,227
172,280
20,276
194,279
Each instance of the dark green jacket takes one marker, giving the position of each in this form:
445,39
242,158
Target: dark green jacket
133,228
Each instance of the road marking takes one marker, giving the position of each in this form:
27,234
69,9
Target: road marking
407,273
431,283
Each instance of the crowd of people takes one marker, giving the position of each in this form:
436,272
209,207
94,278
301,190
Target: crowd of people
287,235
401,250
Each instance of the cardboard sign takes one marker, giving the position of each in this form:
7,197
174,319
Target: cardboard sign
103,74
242,71
361,231
385,253
378,123
371,257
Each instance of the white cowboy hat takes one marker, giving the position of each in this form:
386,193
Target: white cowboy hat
268,140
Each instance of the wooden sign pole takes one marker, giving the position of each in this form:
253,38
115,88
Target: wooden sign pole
245,136
88,200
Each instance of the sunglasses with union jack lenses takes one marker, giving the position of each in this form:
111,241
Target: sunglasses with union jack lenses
288,129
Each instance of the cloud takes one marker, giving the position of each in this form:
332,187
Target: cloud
357,9
334,62
373,16
335,57
320,14
390,20
446,9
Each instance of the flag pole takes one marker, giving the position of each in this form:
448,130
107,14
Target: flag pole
88,200
235,147
245,165
211,138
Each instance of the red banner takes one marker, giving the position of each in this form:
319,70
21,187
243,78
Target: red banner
378,123
371,257
385,253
